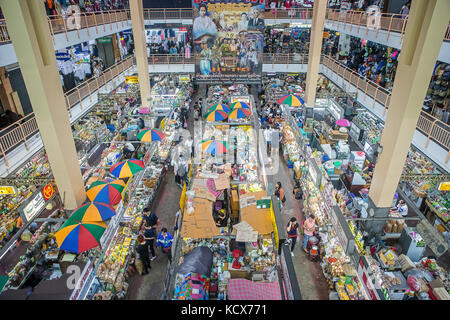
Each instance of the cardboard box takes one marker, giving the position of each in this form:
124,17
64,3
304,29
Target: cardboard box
234,200
436,284
441,294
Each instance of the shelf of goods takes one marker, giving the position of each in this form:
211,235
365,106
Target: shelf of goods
41,249
337,266
127,90
366,128
87,133
111,275
36,167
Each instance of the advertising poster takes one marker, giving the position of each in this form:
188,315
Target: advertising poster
228,41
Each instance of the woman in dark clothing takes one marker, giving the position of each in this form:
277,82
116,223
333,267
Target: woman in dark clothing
142,250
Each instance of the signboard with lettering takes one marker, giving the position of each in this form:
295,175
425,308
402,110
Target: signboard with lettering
7,190
29,210
342,229
444,186
133,79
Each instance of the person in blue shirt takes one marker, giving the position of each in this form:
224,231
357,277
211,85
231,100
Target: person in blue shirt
165,240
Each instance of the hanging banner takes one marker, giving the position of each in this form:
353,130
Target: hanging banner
228,41
48,191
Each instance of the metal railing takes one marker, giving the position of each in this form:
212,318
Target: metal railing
168,14
62,24
4,36
21,130
285,58
170,59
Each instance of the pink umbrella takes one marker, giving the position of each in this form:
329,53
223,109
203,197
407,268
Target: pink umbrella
343,123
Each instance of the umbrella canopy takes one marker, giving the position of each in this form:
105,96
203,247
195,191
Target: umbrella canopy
106,191
239,113
214,146
239,105
216,115
343,123
149,135
291,100
127,168
93,211
77,237
219,106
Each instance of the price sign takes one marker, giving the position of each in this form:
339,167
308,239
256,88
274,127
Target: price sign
7,190
131,79
444,186
33,207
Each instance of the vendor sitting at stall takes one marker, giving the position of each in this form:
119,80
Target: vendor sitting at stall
401,208
221,218
128,150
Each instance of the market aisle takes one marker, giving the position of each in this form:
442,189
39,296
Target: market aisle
311,280
165,205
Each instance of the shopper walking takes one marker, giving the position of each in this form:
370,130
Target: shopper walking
150,237
181,169
279,192
143,255
292,229
309,227
150,218
164,241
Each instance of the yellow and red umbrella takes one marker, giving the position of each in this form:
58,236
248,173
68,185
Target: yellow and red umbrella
149,135
239,113
127,168
106,191
239,105
219,106
93,211
214,146
291,100
216,115
76,236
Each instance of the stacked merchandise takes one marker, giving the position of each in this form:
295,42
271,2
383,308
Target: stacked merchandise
112,271
370,126
438,98
36,167
88,132
109,157
127,90
246,153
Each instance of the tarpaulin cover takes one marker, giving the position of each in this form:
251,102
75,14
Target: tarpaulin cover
243,289
198,261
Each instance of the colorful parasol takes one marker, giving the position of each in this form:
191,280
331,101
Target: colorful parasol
106,191
214,146
343,123
149,135
127,168
239,105
219,106
93,211
239,113
77,237
291,100
216,115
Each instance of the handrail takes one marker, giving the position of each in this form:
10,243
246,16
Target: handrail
24,128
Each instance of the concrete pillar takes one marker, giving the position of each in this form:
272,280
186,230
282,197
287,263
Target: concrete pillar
427,24
140,49
30,34
315,48
6,92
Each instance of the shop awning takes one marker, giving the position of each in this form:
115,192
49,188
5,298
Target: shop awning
243,289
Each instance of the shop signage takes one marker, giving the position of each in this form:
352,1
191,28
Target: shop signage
326,34
315,172
184,78
444,186
183,198
133,79
366,278
48,191
432,238
32,208
274,224
7,190
354,132
342,229
105,40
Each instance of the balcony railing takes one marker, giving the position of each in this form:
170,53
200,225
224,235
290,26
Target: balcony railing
20,131
433,128
353,20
